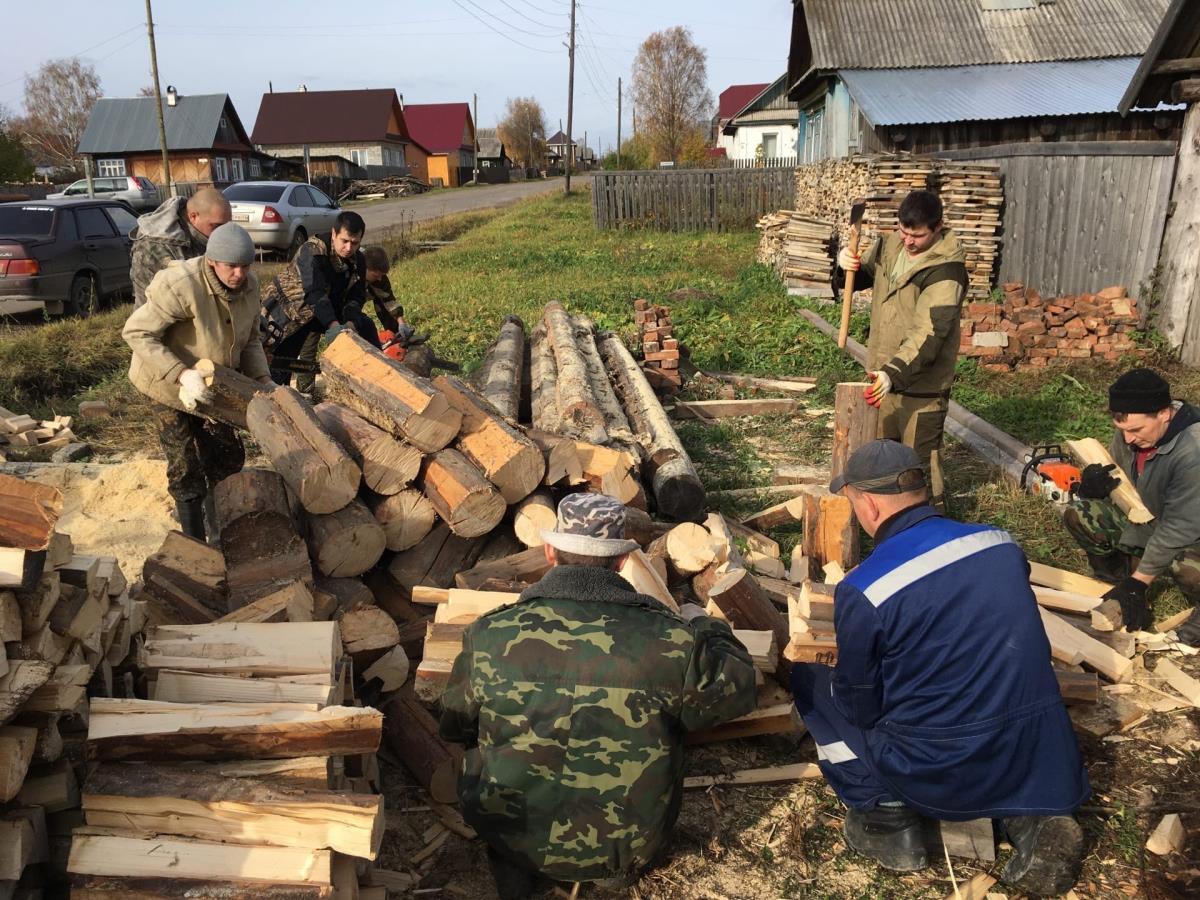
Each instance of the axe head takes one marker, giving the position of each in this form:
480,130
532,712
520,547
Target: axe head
857,211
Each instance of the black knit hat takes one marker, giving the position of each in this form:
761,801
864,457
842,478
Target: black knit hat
1139,391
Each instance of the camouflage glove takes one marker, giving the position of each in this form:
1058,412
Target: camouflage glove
1096,481
1135,609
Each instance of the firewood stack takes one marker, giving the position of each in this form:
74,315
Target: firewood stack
971,198
20,431
660,348
799,248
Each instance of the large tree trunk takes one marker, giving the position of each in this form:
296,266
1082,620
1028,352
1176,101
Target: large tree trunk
499,378
615,421
512,462
412,734
406,517
464,499
388,465
578,413
388,394
677,488
231,393
313,464
543,373
347,542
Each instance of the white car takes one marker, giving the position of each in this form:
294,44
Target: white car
140,193
281,215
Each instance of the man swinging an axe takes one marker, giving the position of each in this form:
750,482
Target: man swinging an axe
919,279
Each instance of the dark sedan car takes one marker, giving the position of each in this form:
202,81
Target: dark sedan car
63,255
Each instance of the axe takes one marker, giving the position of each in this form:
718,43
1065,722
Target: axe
856,216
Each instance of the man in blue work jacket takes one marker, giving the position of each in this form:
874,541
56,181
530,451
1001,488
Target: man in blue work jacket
943,702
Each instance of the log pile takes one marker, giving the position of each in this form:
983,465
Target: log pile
389,187
660,347
1026,331
799,248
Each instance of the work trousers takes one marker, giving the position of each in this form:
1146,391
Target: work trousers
841,747
918,422
200,453
304,343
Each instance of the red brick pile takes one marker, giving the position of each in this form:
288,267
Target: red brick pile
660,350
1027,331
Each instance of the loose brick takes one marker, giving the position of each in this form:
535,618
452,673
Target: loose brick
1114,292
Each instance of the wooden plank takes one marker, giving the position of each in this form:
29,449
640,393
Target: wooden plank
1185,684
1071,641
724,409
769,775
1089,451
1062,580
247,648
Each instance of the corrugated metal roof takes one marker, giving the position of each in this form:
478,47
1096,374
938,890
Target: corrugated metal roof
130,125
902,34
971,93
735,97
439,126
1178,37
327,117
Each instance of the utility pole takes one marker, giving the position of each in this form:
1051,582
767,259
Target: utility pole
162,127
585,144
570,97
618,124
475,138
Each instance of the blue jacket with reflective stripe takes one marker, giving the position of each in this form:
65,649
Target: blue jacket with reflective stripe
944,664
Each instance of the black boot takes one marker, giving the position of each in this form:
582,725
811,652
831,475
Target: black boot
1048,857
1189,632
1109,567
891,835
191,517
210,518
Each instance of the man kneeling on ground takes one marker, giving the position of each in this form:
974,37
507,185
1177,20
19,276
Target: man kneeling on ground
943,702
573,704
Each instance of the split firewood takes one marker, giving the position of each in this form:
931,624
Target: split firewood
788,512
754,540
1062,580
188,576
562,458
465,500
28,513
390,670
500,375
1107,616
1090,451
36,604
388,465
291,603
51,787
830,530
527,566
533,515
175,686
770,775
406,517
384,392
284,648
1072,645
610,471
512,462
746,605
316,468
641,575
10,616
412,734
1185,684
367,633
334,596
798,570
579,415
16,753
23,841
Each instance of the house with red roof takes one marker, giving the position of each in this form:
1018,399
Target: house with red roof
366,127
765,129
447,131
732,99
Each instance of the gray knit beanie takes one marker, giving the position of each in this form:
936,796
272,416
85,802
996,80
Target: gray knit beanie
231,244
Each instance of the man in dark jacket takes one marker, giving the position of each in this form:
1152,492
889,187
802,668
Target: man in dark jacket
178,229
1157,447
573,704
321,291
943,702
919,279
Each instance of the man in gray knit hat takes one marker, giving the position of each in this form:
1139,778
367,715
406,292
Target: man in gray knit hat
201,308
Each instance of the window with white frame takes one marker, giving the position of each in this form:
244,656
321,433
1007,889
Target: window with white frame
110,167
236,165
770,145
220,169
358,157
814,136
255,168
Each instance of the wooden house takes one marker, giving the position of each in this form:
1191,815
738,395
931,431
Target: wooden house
765,128
447,131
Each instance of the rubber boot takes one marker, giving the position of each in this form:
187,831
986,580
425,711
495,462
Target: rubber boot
1189,632
1048,857
890,835
210,519
191,517
1109,567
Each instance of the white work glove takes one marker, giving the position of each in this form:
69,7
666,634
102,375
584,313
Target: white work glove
689,611
192,389
880,387
848,261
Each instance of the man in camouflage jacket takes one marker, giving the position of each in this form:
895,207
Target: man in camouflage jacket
178,229
573,704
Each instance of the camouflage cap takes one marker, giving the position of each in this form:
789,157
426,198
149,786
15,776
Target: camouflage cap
591,525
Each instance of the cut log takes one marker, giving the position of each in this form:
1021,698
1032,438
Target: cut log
762,564
830,531
1169,836
406,517
367,633
512,462
23,841
678,491
500,375
347,542
293,603
96,851
197,804
726,409
231,393
533,515
16,753
28,513
1062,580
434,561
855,423
285,648
527,566
641,575
412,734
1065,601
746,605
388,465
132,730
562,458
465,500
1185,684
388,394
340,595
616,422
609,471
172,686
23,678
188,576
690,548
578,413
1090,451
390,670
319,472
810,648
543,374
786,513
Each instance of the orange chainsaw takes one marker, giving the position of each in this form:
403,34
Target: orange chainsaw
1055,476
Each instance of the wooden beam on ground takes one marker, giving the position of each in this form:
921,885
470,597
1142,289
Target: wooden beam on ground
855,423
770,775
709,410
777,383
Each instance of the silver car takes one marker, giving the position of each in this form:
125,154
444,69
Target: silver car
140,193
281,215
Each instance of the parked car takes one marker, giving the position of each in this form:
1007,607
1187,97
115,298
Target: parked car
65,256
281,215
140,193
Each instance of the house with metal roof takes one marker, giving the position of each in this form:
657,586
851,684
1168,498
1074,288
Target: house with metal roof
930,75
447,131
366,127
206,142
764,128
729,102
495,167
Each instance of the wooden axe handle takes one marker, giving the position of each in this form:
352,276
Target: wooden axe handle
848,291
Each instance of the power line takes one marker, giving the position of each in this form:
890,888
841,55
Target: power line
526,16
537,34
24,75
544,11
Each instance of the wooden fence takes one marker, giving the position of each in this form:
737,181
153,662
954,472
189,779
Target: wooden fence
690,200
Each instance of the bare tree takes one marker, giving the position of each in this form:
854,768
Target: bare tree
670,87
58,102
523,130
146,90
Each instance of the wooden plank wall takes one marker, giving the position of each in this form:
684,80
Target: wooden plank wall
1080,217
690,200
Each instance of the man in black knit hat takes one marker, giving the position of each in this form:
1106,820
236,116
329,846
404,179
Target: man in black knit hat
1157,447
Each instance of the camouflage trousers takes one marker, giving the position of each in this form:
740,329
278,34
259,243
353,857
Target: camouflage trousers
1097,526
199,453
918,422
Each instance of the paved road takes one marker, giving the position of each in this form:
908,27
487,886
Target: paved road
380,214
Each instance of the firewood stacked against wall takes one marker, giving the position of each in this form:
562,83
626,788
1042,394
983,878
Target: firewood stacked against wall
799,248
971,199
659,347
826,189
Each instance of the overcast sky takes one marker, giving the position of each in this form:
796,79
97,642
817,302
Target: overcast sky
430,52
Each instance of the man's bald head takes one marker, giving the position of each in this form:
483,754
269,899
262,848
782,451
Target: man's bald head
207,209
